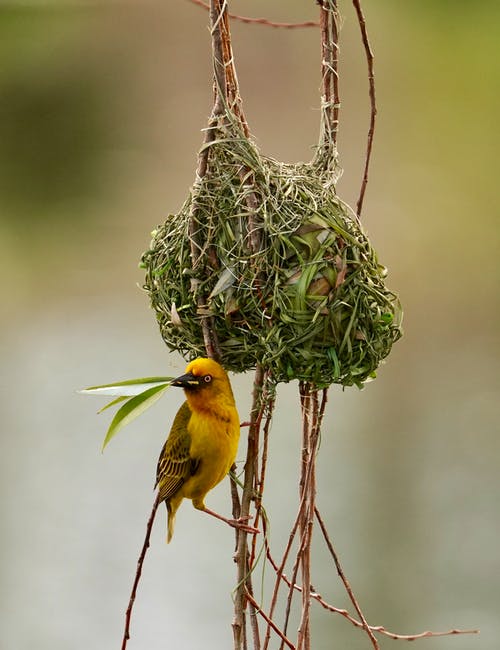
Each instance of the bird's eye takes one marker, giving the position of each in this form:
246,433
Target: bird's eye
207,379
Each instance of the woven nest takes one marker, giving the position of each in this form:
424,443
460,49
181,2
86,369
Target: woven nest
309,303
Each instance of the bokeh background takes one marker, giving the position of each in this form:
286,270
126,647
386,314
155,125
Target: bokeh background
101,110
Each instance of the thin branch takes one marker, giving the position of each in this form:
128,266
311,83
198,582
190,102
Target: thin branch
310,436
280,569
140,562
326,155
309,399
241,555
324,400
295,571
279,572
268,402
373,104
423,635
235,497
379,629
344,579
329,67
262,21
270,622
216,13
227,97
254,623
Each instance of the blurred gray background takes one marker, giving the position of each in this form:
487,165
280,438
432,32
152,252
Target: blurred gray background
101,110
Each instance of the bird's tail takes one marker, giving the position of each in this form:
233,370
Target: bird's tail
172,506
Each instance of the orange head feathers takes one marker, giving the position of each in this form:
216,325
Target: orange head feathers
206,386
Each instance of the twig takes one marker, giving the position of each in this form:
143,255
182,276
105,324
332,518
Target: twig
329,67
268,402
261,21
373,104
422,635
218,58
309,400
254,624
227,95
270,622
140,562
295,571
279,569
326,155
310,436
241,555
342,576
324,400
379,629
279,572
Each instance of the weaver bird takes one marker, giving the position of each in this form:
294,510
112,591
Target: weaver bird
203,441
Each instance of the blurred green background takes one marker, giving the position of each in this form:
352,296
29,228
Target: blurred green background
101,108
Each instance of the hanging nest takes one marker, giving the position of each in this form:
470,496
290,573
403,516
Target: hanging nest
284,271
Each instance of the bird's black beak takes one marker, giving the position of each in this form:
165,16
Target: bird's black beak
186,381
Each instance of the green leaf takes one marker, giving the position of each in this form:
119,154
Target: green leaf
335,360
127,388
117,400
226,280
134,407
302,286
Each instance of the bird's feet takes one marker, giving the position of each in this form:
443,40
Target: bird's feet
240,524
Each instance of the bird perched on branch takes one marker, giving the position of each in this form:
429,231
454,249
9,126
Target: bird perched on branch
203,441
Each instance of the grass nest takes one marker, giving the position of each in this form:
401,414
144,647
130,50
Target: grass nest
285,272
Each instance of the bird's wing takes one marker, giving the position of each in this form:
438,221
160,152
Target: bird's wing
175,465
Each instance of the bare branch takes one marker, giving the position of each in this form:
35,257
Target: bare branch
140,562
268,403
244,585
379,629
262,21
342,576
373,104
270,622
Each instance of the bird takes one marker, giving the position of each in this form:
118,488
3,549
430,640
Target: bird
202,444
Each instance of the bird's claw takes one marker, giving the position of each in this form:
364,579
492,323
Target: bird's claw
241,524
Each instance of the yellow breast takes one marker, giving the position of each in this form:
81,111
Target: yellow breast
214,444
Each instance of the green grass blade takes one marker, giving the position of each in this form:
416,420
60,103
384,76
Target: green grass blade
127,388
132,409
117,400
226,279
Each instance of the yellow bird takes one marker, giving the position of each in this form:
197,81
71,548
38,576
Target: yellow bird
203,441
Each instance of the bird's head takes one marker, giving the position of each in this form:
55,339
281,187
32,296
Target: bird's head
204,375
